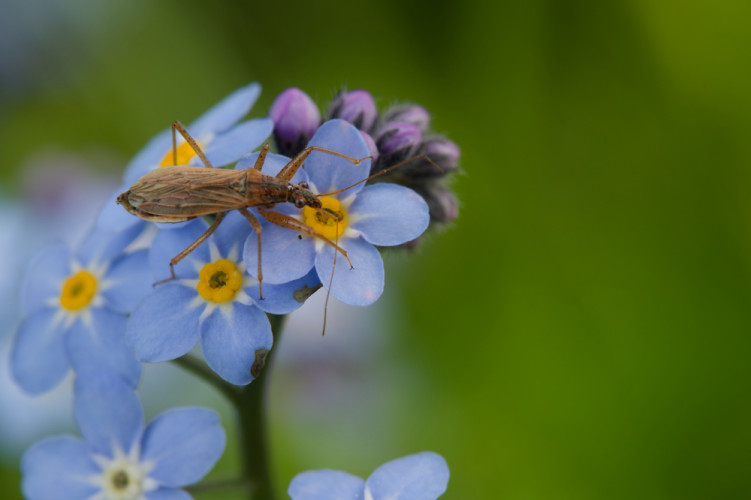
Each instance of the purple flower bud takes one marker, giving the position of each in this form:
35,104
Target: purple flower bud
441,151
409,113
357,107
442,203
371,146
296,118
398,140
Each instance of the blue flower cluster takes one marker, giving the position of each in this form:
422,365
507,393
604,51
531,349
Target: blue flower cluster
115,301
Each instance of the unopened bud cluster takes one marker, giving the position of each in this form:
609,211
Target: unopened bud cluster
399,134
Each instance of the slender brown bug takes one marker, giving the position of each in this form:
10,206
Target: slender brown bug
181,193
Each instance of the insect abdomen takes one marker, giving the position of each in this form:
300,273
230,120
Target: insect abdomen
174,194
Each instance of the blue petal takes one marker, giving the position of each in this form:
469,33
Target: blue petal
130,281
113,217
168,494
184,445
360,286
230,236
272,165
330,173
230,344
38,358
285,298
162,327
227,112
423,476
58,468
107,410
103,246
388,214
326,485
169,226
149,157
233,144
284,257
168,244
44,278
102,345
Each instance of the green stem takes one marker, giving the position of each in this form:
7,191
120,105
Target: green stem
249,402
256,463
199,368
218,484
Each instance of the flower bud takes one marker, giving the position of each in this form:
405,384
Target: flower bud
442,203
371,146
441,151
409,113
398,141
296,118
357,107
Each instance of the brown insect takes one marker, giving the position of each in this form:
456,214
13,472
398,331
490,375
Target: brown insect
181,193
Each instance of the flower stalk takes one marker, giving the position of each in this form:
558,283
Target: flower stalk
252,422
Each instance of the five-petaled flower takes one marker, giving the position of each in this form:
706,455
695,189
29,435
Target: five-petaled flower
213,299
423,476
75,307
354,216
119,459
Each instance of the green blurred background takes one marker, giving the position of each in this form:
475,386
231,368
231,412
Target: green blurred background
582,331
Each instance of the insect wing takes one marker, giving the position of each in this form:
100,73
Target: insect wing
173,194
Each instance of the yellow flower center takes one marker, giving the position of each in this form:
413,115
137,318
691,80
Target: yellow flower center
330,220
78,290
219,281
184,154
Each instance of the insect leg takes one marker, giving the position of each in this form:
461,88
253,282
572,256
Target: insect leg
193,144
261,157
191,247
294,164
288,222
257,227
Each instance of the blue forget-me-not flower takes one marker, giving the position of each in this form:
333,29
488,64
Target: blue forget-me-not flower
356,219
119,459
423,476
75,306
214,299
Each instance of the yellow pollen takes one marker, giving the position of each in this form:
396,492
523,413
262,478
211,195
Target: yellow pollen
184,154
330,220
78,290
219,281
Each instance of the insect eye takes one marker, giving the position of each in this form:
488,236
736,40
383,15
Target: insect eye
304,185
299,203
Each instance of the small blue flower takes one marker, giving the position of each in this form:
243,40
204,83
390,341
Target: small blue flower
117,458
75,307
213,299
381,214
423,476
222,143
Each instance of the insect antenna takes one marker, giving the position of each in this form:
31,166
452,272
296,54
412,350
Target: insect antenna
384,171
328,290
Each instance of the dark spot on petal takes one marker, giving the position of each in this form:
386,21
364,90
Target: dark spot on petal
259,362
